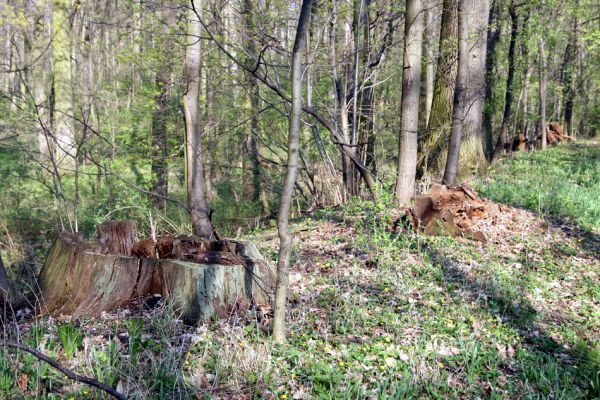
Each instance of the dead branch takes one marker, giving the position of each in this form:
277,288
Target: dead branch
70,374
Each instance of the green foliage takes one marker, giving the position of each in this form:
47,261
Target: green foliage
563,181
134,328
71,337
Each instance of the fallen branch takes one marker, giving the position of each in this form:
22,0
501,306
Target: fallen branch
70,374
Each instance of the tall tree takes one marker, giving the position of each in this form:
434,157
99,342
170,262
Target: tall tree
472,156
542,75
503,139
162,80
440,117
63,112
197,203
493,37
285,239
462,96
411,84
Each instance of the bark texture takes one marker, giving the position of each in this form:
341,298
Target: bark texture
285,239
78,280
411,84
197,202
440,118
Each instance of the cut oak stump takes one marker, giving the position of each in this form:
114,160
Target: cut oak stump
78,279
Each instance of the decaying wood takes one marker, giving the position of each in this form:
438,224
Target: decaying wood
449,211
213,278
116,237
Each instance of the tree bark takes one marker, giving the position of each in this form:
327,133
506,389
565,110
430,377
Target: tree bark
441,109
77,280
493,37
64,131
197,202
462,98
285,239
411,82
542,75
430,67
503,140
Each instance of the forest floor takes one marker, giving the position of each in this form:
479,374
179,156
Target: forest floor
377,314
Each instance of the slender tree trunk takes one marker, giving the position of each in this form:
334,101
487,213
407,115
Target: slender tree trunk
197,203
430,67
542,73
461,95
285,246
258,192
440,120
64,131
503,140
411,82
569,81
493,37
4,286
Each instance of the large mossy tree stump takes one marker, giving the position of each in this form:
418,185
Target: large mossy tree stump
211,279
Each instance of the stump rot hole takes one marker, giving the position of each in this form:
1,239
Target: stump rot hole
199,278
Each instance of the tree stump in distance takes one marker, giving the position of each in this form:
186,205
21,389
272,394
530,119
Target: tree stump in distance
214,279
116,237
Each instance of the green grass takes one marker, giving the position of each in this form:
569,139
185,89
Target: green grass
563,181
376,314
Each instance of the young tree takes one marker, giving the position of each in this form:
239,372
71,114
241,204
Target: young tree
197,203
411,84
542,73
285,239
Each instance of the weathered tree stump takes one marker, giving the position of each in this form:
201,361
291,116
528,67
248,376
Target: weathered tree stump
116,237
77,279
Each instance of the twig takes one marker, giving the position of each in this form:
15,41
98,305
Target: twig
70,374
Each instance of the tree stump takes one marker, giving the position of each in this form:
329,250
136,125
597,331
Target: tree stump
78,279
116,237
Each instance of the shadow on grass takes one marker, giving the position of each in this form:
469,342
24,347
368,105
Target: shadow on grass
583,364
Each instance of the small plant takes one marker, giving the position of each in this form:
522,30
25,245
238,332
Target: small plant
71,338
134,328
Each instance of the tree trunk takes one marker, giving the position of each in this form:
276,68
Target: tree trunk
493,37
440,120
542,73
77,280
64,132
285,239
503,140
569,80
430,67
411,82
197,203
462,95
258,189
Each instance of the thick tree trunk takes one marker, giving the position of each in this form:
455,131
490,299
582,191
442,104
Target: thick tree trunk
493,37
197,203
503,140
430,67
78,280
462,95
440,119
411,83
472,155
285,245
